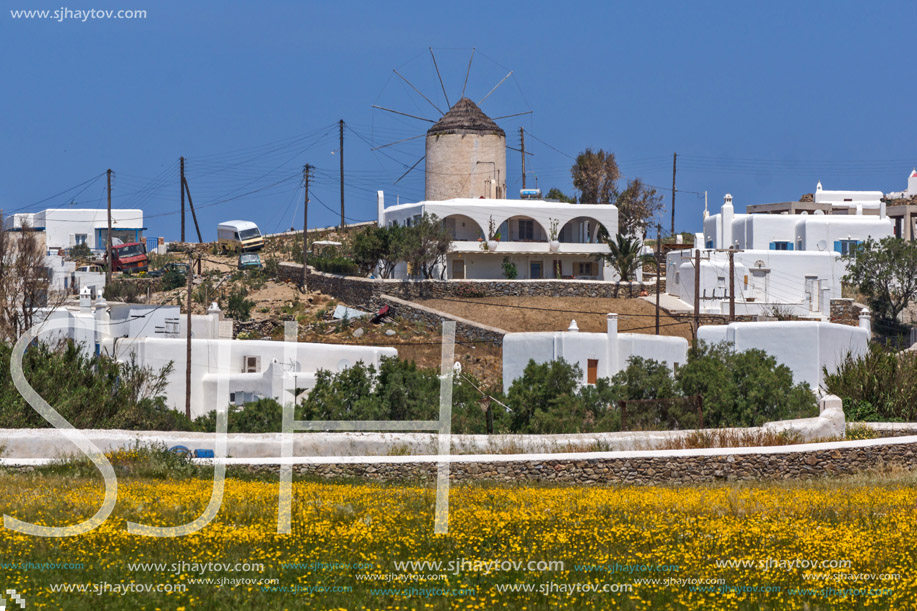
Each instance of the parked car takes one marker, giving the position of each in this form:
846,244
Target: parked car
249,261
181,268
91,268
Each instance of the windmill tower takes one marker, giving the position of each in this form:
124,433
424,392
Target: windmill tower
465,150
466,155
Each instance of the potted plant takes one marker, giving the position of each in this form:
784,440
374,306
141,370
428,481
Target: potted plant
553,243
493,236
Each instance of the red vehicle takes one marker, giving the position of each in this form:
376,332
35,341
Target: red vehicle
130,257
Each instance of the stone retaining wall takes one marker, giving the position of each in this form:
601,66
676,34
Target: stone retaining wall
671,469
367,293
464,329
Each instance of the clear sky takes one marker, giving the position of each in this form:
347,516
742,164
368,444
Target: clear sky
761,100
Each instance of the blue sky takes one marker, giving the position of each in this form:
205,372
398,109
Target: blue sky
760,100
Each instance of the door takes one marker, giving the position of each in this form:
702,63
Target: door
458,269
536,271
812,292
759,284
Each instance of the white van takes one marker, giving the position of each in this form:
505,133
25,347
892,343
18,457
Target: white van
239,235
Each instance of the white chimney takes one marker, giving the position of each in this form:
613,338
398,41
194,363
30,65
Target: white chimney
866,321
380,208
573,328
85,300
726,216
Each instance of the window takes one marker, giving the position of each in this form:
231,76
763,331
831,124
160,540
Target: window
526,230
781,246
251,364
846,247
592,371
585,268
79,239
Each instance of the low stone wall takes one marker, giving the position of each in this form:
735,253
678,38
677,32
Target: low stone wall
464,329
845,312
366,293
675,467
892,429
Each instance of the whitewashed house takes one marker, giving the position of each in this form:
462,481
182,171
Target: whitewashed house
599,355
806,347
155,336
68,227
786,260
543,239
849,202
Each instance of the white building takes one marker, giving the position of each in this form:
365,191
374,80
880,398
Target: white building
805,347
853,202
787,260
67,227
599,355
543,239
157,335
911,188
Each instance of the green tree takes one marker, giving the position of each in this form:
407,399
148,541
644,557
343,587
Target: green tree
556,194
637,205
595,174
425,244
886,272
378,246
510,271
623,256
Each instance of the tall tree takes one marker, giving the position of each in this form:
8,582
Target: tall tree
637,205
24,282
595,175
425,244
557,195
886,272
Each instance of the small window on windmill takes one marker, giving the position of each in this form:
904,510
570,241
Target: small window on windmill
251,364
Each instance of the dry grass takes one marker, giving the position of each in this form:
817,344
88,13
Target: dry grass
554,314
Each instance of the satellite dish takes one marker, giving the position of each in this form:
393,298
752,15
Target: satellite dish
822,245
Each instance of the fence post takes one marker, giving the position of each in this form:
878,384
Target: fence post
700,410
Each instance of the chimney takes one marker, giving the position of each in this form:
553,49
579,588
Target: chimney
380,208
573,328
85,300
866,321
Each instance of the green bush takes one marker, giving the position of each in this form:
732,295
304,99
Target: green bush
334,265
123,290
745,388
88,392
880,385
172,280
238,307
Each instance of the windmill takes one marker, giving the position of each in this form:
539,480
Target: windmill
465,150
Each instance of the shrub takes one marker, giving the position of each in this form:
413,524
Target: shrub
745,388
880,385
123,290
238,307
87,392
510,272
172,280
334,265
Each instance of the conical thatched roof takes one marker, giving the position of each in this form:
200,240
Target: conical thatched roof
466,117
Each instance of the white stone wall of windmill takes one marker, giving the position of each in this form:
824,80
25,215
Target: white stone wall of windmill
465,155
465,149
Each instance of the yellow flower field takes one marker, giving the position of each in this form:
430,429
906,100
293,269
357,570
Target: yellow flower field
846,544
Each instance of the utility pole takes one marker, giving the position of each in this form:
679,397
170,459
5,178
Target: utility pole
108,237
732,286
193,213
696,293
181,161
188,344
305,226
674,162
522,141
341,128
658,271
